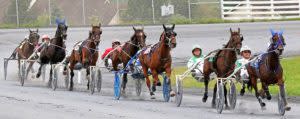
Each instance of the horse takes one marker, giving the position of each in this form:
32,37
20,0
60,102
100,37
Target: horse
87,54
269,70
223,64
127,51
159,60
26,48
55,52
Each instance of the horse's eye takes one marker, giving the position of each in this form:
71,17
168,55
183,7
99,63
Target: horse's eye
175,34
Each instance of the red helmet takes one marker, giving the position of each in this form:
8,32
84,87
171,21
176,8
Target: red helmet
45,36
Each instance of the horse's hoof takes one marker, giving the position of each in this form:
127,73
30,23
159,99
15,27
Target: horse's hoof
153,88
204,99
287,108
242,92
262,104
172,93
158,83
269,97
151,93
38,75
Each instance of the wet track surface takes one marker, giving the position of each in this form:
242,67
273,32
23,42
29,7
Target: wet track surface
35,100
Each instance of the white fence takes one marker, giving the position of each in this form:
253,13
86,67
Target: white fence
259,9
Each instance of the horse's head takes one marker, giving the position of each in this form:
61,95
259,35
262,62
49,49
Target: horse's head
236,39
34,37
61,29
95,34
169,36
277,42
139,37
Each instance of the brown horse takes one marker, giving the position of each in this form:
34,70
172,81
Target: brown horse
128,50
26,48
223,63
55,52
159,60
269,70
86,55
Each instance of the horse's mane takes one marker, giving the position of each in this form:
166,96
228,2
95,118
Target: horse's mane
162,35
226,45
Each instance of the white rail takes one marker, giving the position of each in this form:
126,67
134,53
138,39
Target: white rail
260,9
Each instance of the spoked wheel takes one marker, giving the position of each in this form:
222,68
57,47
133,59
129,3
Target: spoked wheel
138,86
99,80
281,106
92,80
22,72
54,78
232,95
166,89
117,86
179,92
220,97
67,78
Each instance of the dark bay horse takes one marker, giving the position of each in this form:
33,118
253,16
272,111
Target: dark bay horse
55,52
269,70
223,63
26,48
128,50
159,60
86,55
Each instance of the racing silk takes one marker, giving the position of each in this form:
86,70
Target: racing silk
106,52
194,60
239,63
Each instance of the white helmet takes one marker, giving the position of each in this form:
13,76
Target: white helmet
245,48
196,47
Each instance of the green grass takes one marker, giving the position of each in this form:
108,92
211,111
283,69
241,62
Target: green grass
291,67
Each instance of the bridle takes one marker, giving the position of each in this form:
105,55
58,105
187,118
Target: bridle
168,39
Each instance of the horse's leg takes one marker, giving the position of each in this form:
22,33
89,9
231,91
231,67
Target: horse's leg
168,72
50,76
242,92
206,72
29,68
39,70
88,77
254,84
213,101
148,83
124,82
206,81
283,94
155,78
71,67
266,91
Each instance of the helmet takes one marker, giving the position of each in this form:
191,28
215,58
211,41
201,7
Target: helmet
45,36
196,47
245,48
116,41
